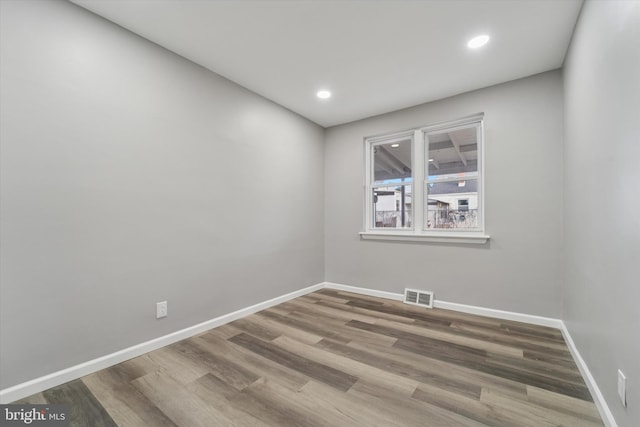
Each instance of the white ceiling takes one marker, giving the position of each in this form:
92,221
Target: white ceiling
375,56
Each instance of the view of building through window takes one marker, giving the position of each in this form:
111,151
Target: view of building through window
452,204
392,187
451,182
426,179
393,206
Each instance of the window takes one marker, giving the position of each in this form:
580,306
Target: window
392,183
426,184
451,178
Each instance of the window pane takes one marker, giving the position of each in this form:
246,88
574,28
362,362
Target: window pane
392,206
452,204
452,153
392,162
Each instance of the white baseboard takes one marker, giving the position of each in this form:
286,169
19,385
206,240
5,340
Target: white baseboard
74,372
471,309
37,385
500,314
598,398
363,291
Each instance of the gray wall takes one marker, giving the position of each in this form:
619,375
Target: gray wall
130,176
601,301
521,268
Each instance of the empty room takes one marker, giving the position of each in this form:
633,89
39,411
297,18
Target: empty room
320,213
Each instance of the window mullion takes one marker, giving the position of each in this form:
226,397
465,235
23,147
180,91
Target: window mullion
455,178
368,185
418,181
480,137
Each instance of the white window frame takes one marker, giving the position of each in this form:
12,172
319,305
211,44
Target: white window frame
373,142
419,181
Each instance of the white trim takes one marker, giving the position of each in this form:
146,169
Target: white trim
391,137
419,138
463,176
74,372
476,121
452,124
471,309
418,165
397,184
433,126
441,237
364,291
500,314
369,180
598,398
481,198
37,385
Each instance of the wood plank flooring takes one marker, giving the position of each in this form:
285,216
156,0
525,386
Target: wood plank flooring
334,358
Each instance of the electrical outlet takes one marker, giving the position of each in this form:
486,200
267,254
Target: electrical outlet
622,388
161,309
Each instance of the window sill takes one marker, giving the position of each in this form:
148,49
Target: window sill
478,239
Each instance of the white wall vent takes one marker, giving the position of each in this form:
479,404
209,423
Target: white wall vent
416,297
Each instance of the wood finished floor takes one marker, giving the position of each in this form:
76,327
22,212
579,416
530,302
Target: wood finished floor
333,358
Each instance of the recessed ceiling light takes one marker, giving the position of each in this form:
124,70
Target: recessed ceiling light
395,145
431,160
478,41
323,94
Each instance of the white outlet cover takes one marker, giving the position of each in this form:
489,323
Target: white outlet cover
161,309
622,388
